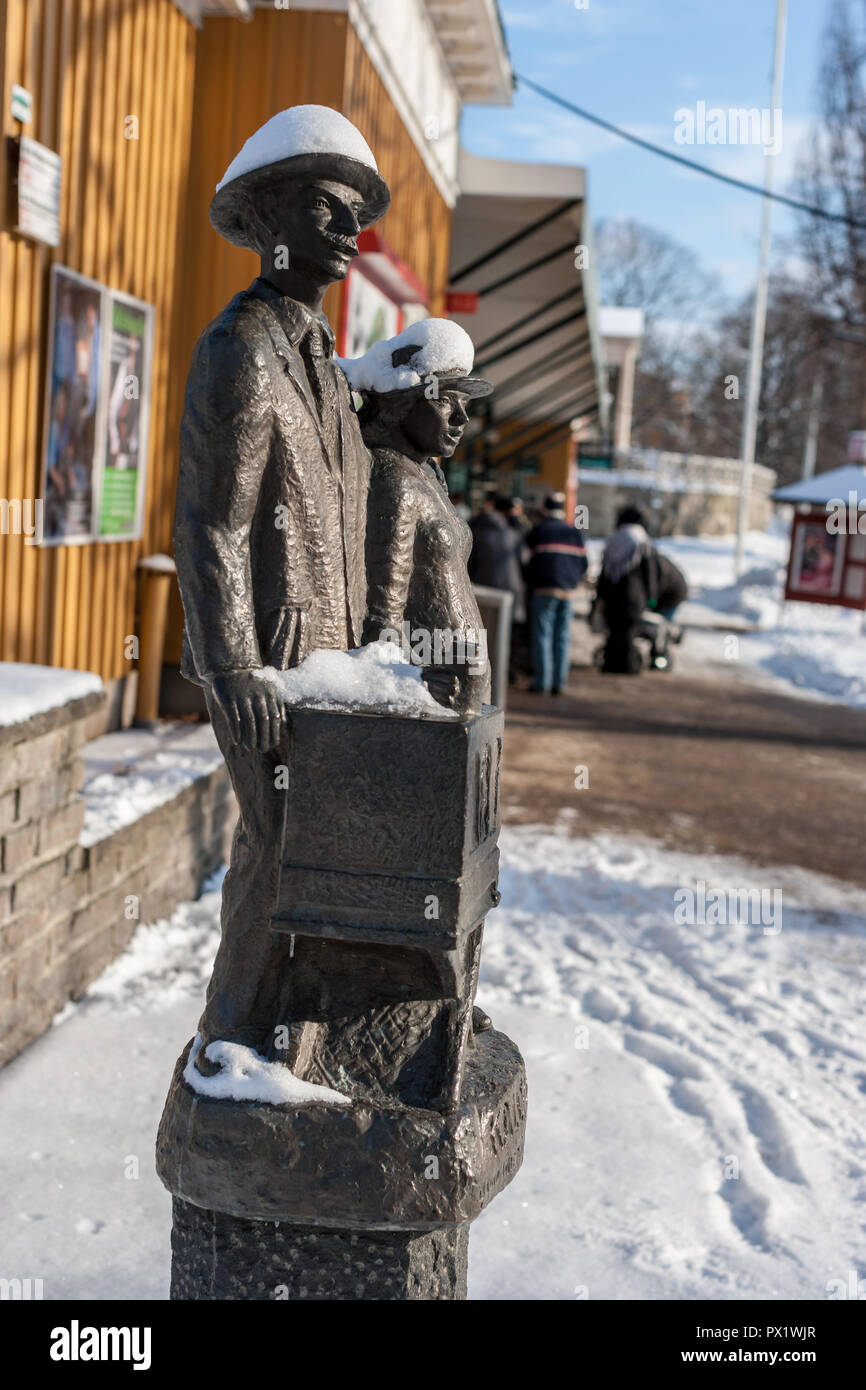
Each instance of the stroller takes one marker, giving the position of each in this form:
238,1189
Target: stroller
654,628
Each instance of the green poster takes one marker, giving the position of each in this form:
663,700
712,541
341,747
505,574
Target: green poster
123,460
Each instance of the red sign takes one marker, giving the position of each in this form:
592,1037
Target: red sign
461,302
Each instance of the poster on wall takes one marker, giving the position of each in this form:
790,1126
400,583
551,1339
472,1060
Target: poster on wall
370,314
97,406
816,565
125,447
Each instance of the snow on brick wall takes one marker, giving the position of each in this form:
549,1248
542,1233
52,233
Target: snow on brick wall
68,908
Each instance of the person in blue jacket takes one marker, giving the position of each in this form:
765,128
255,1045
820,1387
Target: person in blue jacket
557,564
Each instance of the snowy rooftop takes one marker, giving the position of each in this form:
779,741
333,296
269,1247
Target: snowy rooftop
826,487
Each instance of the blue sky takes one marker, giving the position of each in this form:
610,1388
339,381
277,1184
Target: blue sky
636,62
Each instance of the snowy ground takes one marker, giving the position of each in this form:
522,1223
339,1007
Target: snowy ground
696,1093
807,649
812,650
131,772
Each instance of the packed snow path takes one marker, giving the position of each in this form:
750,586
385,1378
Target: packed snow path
696,1093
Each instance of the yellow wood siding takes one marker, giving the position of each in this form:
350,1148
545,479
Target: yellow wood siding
89,64
134,216
245,73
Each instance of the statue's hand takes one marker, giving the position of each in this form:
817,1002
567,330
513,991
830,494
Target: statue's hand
458,689
253,707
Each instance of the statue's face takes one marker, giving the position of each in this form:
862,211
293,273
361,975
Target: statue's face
435,427
319,223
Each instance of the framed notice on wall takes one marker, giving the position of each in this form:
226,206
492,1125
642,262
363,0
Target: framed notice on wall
369,314
825,566
100,347
817,560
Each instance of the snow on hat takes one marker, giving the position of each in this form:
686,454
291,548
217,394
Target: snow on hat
303,140
431,347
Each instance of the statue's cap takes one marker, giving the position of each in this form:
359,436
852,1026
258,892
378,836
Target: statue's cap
303,141
429,348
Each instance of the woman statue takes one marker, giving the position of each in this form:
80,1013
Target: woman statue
414,389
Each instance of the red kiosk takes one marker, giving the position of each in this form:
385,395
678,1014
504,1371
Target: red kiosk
827,559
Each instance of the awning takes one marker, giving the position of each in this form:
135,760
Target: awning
522,243
826,487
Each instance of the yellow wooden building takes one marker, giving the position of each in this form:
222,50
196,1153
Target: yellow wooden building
145,102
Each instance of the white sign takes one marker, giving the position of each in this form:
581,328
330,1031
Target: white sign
38,192
21,104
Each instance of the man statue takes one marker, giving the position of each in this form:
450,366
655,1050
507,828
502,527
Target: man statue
271,511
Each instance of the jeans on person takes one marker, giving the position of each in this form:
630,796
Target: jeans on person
551,641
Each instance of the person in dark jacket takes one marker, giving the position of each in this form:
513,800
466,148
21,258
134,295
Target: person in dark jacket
557,564
495,558
494,563
627,586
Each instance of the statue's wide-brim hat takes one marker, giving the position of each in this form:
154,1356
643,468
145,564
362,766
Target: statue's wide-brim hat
473,386
303,142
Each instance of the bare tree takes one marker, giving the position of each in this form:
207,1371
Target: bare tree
801,347
832,174
644,268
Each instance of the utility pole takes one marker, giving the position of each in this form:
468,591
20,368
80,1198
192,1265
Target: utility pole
759,317
810,452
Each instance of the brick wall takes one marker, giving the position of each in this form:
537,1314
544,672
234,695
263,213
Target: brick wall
67,910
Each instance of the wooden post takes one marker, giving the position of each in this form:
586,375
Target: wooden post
158,572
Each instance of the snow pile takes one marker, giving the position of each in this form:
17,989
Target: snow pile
377,678
809,649
695,1092
299,130
29,690
247,1076
444,349
129,773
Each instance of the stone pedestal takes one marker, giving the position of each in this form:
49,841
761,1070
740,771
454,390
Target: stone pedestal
215,1256
389,867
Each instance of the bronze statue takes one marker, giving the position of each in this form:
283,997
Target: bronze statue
271,507
417,545
352,1116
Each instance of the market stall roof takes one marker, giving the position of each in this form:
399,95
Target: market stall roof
826,487
521,243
